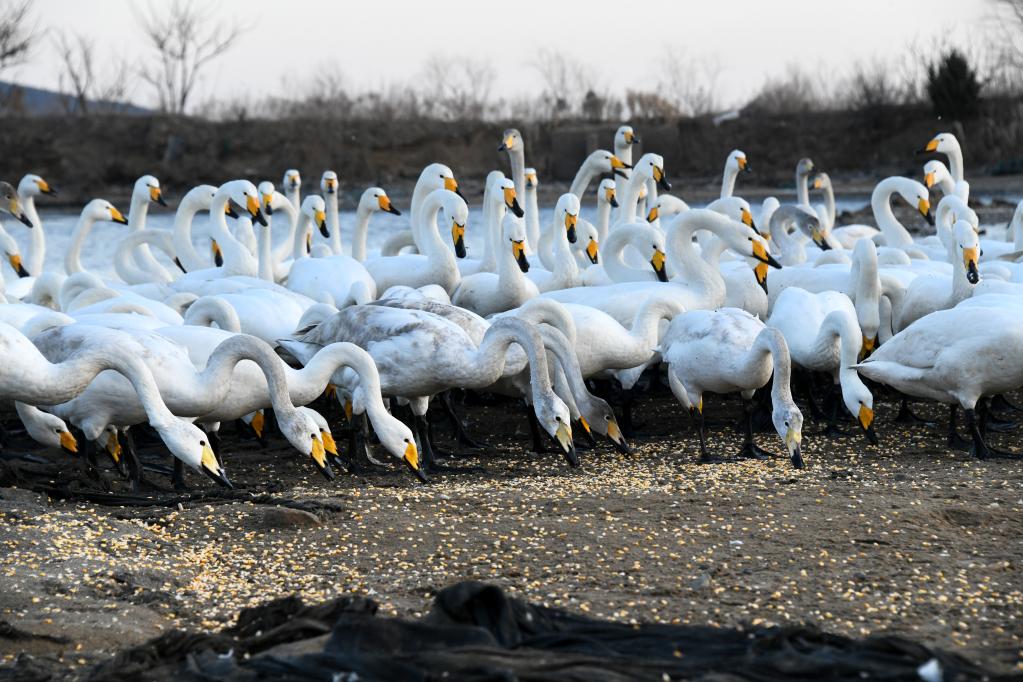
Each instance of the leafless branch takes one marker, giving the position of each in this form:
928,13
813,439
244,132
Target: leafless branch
17,34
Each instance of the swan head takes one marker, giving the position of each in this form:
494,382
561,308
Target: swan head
244,194
329,182
788,423
804,167
860,403
511,141
604,161
607,193
820,182
302,431
652,166
199,198
588,236
737,161
33,185
942,143
665,207
394,435
916,195
9,202
555,419
10,249
292,180
456,214
936,173
596,415
326,437
531,182
646,237
735,208
314,208
514,231
968,246
438,176
503,190
266,191
101,209
566,215
48,430
189,444
625,136
147,189
376,199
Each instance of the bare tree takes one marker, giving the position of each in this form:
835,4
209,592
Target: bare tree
80,78
566,82
691,83
457,88
1008,15
185,40
17,33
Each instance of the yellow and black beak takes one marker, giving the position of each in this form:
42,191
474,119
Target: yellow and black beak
320,218
614,434
411,459
229,210
931,147
760,272
924,206
46,188
618,166
384,202
661,179
267,204
929,179
506,144
519,251
744,165
68,443
570,222
793,438
657,263
652,215
156,195
258,425
592,251
177,261
319,456
511,202
451,185
15,261
867,347
747,218
563,437
819,240
330,185
761,254
113,448
458,238
610,197
211,467
531,180
252,206
218,255
630,138
866,421
971,256
117,217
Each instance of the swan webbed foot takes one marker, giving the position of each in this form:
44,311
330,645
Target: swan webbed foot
1002,404
750,450
458,424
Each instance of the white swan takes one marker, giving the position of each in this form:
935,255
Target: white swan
565,272
486,293
95,210
728,351
437,265
597,163
32,378
930,292
823,335
649,167
146,190
329,187
895,235
292,184
435,176
735,163
29,188
196,199
954,356
531,210
373,200
643,238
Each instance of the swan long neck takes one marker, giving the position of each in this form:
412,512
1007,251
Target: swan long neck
582,179
359,235
613,252
206,311
334,222
770,341
1016,227
517,157
728,180
286,246
532,211
961,287
302,226
265,253
603,223
237,258
184,250
215,379
629,198
829,204
307,384
496,210
687,265
429,241
488,361
866,283
559,346
126,266
646,324
37,243
566,269
841,329
802,189
73,257
881,203
548,311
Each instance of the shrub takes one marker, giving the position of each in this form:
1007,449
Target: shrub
953,87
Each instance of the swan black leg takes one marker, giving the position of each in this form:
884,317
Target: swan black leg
361,461
705,457
906,416
539,445
133,463
178,477
749,449
954,440
989,422
459,426
1002,404
835,398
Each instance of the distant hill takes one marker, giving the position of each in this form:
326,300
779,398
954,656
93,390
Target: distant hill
31,101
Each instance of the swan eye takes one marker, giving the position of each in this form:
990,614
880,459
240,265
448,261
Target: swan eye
202,443
786,423
557,419
406,440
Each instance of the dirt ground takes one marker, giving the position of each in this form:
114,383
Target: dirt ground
905,537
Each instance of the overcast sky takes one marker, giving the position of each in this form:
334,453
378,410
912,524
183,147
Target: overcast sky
375,43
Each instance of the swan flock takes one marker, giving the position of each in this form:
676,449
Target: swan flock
261,307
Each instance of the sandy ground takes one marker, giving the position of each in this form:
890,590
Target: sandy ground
906,537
